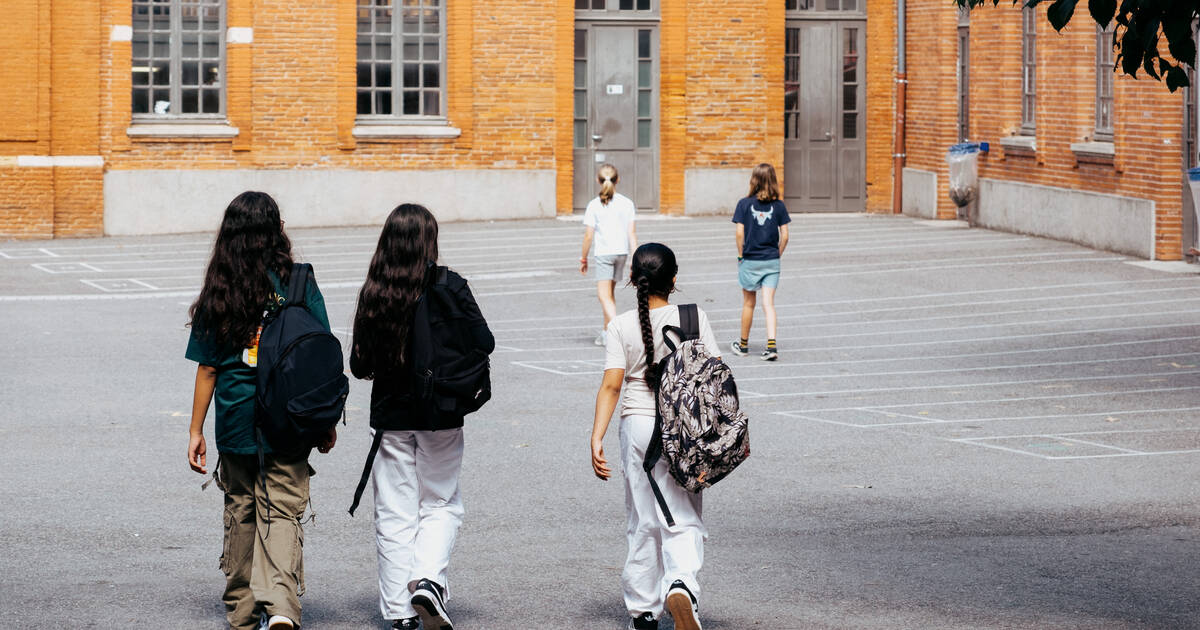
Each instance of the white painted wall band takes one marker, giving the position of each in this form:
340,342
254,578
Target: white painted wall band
43,161
239,35
121,33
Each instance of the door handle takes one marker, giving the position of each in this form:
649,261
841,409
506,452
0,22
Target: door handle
596,138
829,135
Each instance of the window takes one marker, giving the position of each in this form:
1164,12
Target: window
806,6
964,75
1104,84
178,58
850,83
401,59
581,92
1028,71
612,5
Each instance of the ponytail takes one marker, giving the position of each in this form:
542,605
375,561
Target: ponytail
607,176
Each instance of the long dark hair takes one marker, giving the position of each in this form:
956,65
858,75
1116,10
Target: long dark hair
654,270
250,243
400,272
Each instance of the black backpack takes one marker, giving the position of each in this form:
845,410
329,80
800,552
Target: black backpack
450,375
302,385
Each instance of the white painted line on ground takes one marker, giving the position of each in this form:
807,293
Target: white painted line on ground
1098,444
1070,433
145,284
1157,390
1072,379
987,368
47,252
508,348
1146,454
923,419
1056,416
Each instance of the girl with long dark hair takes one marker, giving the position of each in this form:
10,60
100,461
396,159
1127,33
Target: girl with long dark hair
663,561
415,470
247,277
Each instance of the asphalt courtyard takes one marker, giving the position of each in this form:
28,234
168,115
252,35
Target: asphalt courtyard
965,429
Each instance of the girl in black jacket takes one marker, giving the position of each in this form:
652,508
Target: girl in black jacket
414,474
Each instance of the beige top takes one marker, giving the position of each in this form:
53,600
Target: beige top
624,350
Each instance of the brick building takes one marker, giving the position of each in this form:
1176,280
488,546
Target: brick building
147,116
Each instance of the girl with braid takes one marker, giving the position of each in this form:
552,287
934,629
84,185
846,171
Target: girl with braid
662,564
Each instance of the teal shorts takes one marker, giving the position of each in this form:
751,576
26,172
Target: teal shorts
758,274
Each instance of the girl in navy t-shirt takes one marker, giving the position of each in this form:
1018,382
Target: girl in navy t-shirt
762,235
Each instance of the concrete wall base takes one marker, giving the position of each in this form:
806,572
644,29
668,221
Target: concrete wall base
714,191
1108,222
163,202
920,193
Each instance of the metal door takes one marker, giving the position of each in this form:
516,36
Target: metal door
824,146
616,105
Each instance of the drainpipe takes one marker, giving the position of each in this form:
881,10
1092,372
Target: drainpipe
901,86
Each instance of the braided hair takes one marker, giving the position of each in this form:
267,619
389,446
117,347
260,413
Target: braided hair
654,270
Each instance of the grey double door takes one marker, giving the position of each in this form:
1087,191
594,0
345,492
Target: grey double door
616,110
824,147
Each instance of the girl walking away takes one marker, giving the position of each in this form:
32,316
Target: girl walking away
663,561
417,443
609,220
762,235
265,496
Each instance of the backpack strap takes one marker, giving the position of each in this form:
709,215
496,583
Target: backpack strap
653,454
366,474
688,328
298,284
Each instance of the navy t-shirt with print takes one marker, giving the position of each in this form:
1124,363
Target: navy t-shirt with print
236,381
762,220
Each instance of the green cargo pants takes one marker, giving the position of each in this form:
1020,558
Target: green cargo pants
263,559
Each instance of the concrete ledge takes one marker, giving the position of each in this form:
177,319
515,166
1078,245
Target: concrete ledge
714,191
920,193
181,130
1100,221
1019,145
172,201
383,132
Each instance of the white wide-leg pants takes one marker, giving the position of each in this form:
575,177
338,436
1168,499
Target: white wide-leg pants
658,554
417,512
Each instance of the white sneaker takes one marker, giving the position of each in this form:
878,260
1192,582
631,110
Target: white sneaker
683,607
279,622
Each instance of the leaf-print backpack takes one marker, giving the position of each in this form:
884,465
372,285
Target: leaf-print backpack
698,428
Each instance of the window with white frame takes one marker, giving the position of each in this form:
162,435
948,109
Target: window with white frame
1104,84
401,59
178,59
1028,71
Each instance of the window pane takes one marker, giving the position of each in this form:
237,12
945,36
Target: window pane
643,5
849,97
191,101
580,134
432,22
643,133
791,5
580,74
383,75
210,73
211,48
598,4
364,102
644,103
383,102
211,101
412,103
644,44
383,49
581,4
411,21
161,73
431,78
831,5
626,5
160,45
431,103
580,104
580,44
412,51
431,51
162,101
141,101
190,45
411,78
849,5
191,73
644,74
850,70
849,125
364,75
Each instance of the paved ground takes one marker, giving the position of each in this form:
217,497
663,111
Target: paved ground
966,429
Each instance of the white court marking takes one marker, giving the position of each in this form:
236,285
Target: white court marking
942,403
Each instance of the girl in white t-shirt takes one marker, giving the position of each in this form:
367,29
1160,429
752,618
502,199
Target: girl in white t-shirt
609,220
660,570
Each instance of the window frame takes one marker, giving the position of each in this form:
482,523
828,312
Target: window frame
398,117
1028,71
963,75
175,63
612,10
1105,64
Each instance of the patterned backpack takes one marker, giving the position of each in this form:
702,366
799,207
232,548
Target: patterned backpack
698,427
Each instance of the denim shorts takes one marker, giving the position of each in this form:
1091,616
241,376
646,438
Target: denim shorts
758,274
610,267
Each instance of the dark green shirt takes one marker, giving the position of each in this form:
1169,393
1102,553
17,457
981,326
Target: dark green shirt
234,393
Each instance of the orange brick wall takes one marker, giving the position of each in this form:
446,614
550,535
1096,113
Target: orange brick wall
1148,120
881,103
26,201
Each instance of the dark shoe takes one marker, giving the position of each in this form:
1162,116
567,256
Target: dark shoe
683,607
429,600
644,621
737,348
412,623
769,355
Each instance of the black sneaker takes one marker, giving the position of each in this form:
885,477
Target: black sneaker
644,621
683,607
736,347
769,355
411,623
429,600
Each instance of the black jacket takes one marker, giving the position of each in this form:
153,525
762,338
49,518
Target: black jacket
393,407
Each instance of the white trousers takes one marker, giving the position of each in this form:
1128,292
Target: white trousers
417,511
658,554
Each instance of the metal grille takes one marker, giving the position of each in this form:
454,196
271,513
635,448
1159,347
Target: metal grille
1104,84
1028,71
401,58
178,58
964,83
791,85
581,92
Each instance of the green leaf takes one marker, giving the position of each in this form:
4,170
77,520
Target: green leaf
1176,78
1060,13
1102,11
